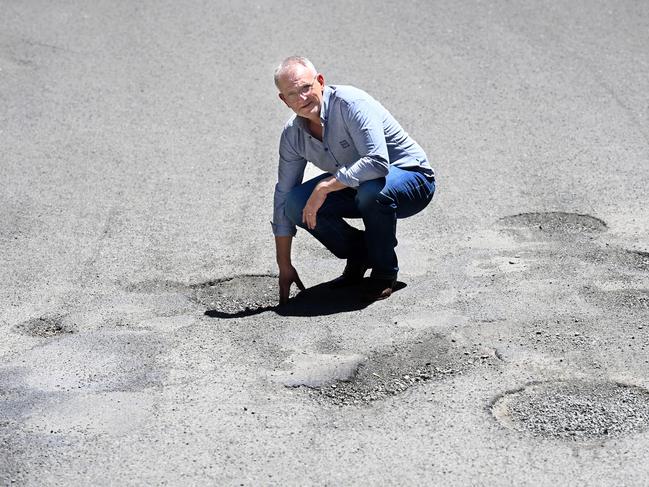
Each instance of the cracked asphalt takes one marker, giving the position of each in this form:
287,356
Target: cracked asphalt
141,344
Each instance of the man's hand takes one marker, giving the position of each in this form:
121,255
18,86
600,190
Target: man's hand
287,277
317,198
313,204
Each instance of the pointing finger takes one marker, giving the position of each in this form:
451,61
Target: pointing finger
299,284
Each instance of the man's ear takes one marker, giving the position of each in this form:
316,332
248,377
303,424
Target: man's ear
281,97
321,79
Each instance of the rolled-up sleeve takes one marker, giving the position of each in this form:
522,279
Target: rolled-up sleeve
365,126
289,174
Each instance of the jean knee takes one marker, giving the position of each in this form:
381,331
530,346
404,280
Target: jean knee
368,195
371,201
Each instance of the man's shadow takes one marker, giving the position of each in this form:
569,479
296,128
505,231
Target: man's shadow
319,300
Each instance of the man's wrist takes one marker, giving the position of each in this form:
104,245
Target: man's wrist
329,185
284,267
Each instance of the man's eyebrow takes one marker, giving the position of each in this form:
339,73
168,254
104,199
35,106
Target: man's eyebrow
299,87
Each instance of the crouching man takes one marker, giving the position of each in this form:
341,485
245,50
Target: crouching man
373,170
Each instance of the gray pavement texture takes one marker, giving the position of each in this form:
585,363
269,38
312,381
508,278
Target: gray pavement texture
138,146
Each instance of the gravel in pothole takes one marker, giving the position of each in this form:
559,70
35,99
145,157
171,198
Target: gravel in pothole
638,260
156,286
556,222
636,298
237,294
574,409
384,374
629,299
45,327
611,257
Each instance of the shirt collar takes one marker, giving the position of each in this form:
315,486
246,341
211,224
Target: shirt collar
324,109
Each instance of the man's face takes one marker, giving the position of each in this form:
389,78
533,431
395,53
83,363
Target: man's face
301,90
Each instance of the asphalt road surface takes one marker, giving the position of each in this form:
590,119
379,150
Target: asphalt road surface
141,344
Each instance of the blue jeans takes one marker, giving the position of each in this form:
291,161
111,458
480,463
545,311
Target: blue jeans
379,202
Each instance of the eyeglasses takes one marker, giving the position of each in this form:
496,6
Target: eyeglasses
303,90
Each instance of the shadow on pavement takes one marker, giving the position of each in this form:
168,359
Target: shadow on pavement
318,300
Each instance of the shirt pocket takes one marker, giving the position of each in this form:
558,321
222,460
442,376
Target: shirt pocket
344,150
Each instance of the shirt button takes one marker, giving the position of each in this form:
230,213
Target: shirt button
326,150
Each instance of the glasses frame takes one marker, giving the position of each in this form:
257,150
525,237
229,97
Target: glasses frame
303,90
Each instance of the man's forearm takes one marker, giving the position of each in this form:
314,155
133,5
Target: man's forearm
330,185
283,251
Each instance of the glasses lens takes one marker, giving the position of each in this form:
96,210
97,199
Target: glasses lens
306,89
301,91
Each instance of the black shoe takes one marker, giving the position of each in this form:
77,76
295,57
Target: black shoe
352,275
375,289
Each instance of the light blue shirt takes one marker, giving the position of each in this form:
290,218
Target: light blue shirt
360,140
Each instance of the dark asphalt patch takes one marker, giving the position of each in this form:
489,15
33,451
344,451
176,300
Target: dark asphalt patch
388,373
632,298
556,223
610,256
578,410
45,327
638,260
619,299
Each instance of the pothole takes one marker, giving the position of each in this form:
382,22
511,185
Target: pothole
237,294
45,327
638,260
556,222
316,370
610,256
574,409
227,297
390,373
636,298
620,299
156,287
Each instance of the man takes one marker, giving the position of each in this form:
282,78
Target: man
373,170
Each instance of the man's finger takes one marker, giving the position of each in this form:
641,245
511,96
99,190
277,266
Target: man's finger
299,284
309,218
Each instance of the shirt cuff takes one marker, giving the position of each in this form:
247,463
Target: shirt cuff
280,230
342,176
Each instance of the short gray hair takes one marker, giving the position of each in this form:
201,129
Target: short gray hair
292,61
